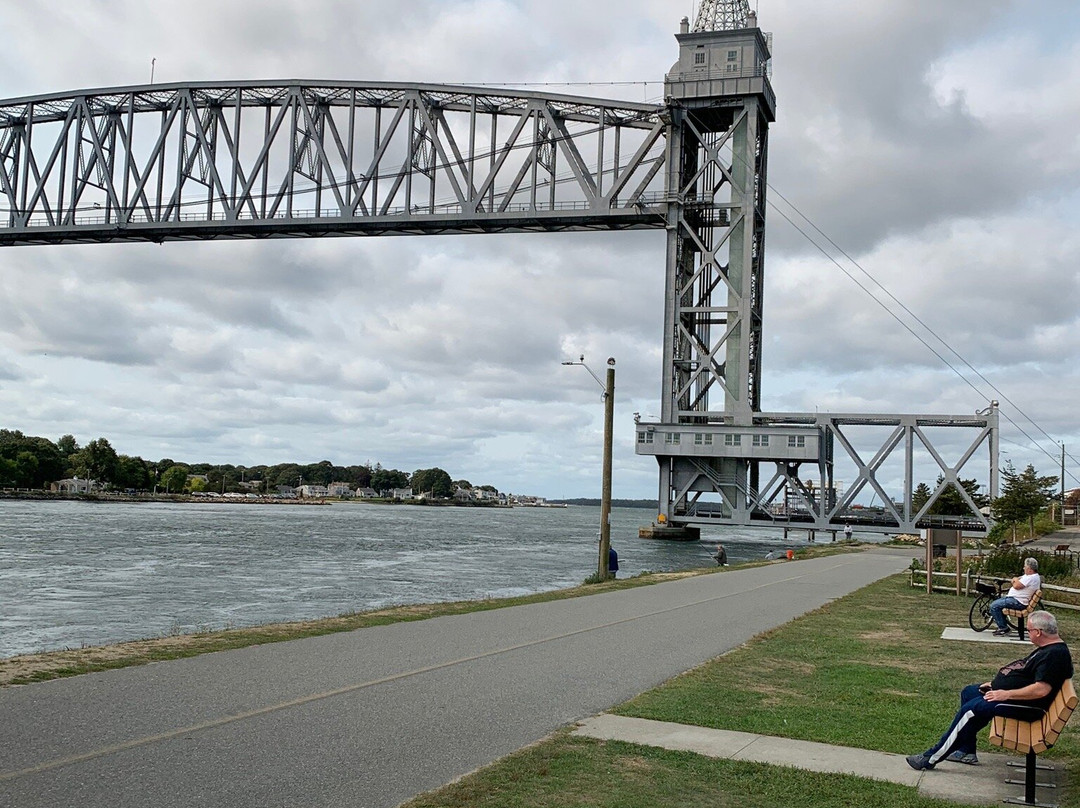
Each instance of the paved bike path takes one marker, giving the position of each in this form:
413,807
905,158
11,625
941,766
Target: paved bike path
372,717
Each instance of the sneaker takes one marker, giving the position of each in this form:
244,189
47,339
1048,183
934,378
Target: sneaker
919,762
970,758
1002,632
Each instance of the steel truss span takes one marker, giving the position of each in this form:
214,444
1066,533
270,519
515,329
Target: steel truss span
796,456
259,160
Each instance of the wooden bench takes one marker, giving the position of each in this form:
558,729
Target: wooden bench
1061,550
1034,736
1020,614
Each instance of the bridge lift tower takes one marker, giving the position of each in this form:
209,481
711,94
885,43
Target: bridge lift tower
721,460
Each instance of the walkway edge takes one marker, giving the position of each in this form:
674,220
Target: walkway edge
972,785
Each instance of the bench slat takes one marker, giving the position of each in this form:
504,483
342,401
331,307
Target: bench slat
1027,609
1036,736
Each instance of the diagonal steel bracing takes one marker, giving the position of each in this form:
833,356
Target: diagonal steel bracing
712,442
252,159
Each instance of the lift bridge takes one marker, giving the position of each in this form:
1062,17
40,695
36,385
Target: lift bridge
254,160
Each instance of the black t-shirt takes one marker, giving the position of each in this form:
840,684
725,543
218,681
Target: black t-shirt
1051,664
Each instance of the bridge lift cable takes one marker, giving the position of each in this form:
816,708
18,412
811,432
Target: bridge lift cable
1035,443
1001,395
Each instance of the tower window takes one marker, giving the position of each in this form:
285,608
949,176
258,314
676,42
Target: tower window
699,58
733,56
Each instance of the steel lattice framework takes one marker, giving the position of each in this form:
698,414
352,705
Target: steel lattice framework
722,15
721,459
242,160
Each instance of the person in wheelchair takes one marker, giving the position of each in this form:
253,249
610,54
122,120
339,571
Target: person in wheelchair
1019,595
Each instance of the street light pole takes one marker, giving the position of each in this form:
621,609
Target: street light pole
605,496
602,570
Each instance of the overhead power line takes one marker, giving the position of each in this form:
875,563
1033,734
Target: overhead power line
1001,395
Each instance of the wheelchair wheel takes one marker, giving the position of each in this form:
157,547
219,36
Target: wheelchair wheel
979,618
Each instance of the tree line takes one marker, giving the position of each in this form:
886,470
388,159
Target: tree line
36,462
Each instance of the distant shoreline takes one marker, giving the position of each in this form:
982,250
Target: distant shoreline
50,496
650,504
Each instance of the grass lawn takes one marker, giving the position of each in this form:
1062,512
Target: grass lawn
563,772
868,670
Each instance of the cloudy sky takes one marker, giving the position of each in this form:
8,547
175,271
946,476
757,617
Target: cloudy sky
935,143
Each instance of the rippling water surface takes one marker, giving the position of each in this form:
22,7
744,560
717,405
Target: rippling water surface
82,573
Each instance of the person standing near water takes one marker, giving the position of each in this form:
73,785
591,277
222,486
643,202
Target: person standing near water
721,556
612,562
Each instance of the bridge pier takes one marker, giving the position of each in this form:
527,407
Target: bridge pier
670,532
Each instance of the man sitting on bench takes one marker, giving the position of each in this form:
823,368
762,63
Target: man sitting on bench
1029,682
1019,595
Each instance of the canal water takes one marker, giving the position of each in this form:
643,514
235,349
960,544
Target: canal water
87,573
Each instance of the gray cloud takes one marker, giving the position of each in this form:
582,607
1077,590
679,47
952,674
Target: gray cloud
944,168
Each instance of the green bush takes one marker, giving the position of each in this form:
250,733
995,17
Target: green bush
1000,532
1008,562
1003,531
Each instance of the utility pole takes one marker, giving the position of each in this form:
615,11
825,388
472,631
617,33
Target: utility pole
1063,484
605,496
608,396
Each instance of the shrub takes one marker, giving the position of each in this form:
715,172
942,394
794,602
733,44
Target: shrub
1007,562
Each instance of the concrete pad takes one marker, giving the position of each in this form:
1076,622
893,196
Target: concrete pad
970,785
970,635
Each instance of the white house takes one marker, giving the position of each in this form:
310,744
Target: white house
401,493
75,486
339,490
366,493
313,491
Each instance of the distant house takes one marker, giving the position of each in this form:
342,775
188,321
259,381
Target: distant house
401,493
366,493
339,490
74,486
313,491
286,492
